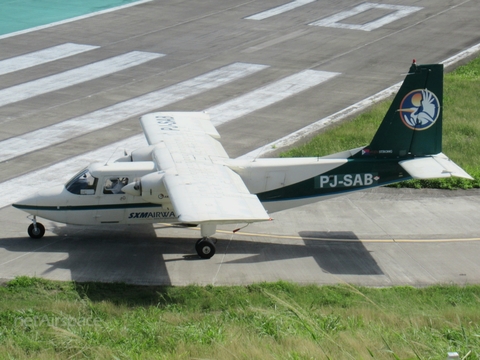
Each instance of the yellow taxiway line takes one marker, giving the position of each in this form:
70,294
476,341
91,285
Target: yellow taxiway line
294,237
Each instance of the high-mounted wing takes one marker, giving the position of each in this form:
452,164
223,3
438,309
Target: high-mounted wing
201,188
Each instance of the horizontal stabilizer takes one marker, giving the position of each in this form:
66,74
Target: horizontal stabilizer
436,166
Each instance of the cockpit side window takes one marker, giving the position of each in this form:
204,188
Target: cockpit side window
82,184
114,185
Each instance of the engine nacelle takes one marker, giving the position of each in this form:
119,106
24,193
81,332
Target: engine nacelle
150,187
142,154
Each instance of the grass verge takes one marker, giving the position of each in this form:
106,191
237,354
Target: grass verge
44,319
461,130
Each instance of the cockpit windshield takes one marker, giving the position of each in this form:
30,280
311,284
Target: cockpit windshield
82,184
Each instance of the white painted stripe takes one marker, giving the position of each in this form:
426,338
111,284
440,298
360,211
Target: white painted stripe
75,76
279,10
42,56
349,111
399,12
75,127
46,26
461,55
322,123
267,95
17,188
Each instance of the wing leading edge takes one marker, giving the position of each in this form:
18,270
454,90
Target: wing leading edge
201,188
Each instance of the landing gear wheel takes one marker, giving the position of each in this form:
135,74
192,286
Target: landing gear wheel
205,248
36,231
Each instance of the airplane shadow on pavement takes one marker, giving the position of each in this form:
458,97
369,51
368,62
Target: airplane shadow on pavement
139,254
342,253
338,253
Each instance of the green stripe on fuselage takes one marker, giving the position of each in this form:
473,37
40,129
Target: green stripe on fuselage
356,174
86,207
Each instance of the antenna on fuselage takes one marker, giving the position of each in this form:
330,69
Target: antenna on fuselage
108,160
259,153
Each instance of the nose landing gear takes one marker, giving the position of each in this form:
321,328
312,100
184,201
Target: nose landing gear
36,230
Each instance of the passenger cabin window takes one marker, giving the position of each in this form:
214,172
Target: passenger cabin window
114,185
82,184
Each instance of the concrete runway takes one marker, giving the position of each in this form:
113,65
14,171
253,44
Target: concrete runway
178,57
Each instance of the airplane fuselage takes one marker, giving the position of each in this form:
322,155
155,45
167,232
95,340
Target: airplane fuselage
90,197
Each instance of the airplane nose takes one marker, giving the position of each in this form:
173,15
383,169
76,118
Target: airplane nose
28,203
41,199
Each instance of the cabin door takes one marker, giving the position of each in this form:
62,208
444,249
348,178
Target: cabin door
112,201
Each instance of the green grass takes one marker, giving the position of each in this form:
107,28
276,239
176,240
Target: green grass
44,319
461,130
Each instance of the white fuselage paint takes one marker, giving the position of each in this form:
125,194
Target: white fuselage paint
108,116
42,56
279,9
76,76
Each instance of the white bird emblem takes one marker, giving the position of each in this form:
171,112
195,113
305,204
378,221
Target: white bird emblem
424,111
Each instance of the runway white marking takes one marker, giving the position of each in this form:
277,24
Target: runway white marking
75,127
42,56
17,188
21,186
279,10
349,111
75,76
399,12
292,138
267,95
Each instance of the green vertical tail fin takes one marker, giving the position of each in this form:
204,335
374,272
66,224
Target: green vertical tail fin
413,123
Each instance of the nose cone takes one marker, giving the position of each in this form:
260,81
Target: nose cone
41,200
27,204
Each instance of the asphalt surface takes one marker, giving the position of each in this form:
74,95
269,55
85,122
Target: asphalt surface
358,239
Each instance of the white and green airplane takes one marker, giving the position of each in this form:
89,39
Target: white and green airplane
185,176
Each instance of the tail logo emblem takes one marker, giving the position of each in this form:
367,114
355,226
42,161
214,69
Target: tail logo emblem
419,109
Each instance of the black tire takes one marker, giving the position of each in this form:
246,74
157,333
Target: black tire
36,233
205,248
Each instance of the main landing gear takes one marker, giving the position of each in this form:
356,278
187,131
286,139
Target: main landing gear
36,230
205,248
